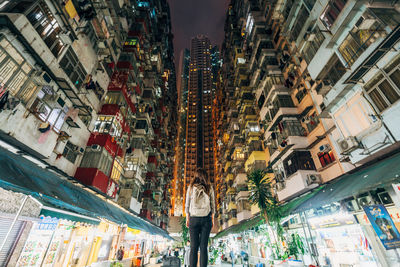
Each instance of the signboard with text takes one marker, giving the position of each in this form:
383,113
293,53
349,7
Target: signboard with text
383,225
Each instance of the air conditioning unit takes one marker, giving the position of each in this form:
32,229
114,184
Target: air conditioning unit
365,23
324,87
310,37
279,186
65,37
43,78
325,148
95,147
313,179
348,144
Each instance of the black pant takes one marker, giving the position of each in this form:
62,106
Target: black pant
199,229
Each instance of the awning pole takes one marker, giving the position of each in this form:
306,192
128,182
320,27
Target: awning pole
13,222
314,245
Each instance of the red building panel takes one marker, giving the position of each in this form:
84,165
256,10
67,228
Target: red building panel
106,141
93,177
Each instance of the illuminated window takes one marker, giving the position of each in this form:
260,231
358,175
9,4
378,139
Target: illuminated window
107,124
116,171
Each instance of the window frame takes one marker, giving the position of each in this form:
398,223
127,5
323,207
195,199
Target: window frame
386,74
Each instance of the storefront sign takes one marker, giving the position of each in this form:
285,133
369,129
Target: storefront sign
332,221
383,226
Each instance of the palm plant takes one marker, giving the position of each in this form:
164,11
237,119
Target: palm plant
261,195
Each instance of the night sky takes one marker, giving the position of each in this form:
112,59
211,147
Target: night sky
192,17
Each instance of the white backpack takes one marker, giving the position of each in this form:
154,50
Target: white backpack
200,205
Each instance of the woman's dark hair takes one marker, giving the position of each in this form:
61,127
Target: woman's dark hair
201,178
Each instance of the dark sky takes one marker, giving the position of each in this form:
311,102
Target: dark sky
192,17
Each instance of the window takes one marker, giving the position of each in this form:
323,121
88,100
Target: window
360,38
108,124
311,122
97,159
333,71
113,97
388,16
116,171
315,40
384,89
291,128
302,17
301,93
48,109
331,12
326,158
299,160
73,68
70,152
47,27
15,72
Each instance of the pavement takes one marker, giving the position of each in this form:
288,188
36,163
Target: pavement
224,264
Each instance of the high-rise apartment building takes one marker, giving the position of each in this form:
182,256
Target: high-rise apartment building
199,138
179,168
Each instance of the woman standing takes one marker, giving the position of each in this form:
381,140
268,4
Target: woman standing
200,209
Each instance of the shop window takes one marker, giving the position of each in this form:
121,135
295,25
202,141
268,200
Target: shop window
70,152
360,38
326,158
384,90
15,72
331,12
73,68
47,27
46,107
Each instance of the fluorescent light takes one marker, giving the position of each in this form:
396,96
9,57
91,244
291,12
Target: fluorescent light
4,4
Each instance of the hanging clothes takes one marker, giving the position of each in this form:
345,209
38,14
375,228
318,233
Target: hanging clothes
3,100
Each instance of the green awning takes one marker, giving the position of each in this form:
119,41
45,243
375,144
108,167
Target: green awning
62,214
379,174
241,227
290,206
257,220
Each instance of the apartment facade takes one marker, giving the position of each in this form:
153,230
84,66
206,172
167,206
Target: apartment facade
321,108
89,87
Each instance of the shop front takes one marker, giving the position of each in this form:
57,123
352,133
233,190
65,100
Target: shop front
340,241
57,242
380,232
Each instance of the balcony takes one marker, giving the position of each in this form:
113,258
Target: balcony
296,184
242,196
256,160
240,180
280,112
232,206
